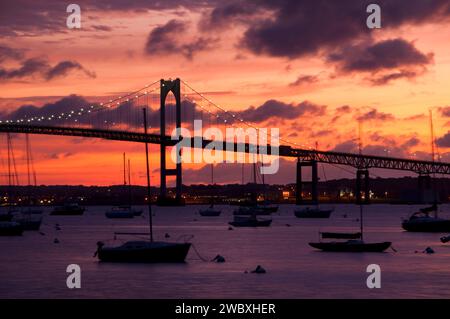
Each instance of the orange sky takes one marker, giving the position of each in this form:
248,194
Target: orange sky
233,76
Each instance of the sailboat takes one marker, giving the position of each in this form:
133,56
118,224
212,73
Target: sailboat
30,217
124,211
7,226
422,221
252,208
68,209
355,242
210,211
314,211
245,216
145,250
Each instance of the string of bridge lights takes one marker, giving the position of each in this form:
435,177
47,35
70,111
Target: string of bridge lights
87,109
233,115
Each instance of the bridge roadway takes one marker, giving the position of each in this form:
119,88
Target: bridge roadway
339,158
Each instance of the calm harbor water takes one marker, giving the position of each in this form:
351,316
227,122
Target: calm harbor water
33,266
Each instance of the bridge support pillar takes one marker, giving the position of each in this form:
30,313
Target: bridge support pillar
425,189
167,86
362,186
299,200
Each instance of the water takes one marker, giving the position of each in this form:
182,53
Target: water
33,266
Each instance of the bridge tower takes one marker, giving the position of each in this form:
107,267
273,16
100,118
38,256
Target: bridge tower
362,186
299,200
167,86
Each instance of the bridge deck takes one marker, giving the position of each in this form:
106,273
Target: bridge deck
348,159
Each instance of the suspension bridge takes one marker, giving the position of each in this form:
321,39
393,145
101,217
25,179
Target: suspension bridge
120,119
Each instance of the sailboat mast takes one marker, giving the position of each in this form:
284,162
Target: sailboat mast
124,170
8,143
27,146
148,176
361,223
129,182
432,159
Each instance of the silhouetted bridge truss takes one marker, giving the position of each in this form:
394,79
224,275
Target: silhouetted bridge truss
349,159
305,157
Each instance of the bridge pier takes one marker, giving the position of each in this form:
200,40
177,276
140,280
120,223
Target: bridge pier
362,186
167,86
299,182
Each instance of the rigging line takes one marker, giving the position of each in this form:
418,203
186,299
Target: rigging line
233,115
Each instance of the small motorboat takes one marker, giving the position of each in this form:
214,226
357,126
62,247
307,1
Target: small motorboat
120,212
250,221
422,221
353,245
251,210
210,212
340,235
144,251
315,212
71,209
10,229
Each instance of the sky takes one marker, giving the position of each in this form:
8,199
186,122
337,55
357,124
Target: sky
313,69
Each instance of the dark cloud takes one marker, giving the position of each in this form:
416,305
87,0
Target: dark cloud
385,79
294,28
170,39
445,111
36,67
444,141
305,80
128,113
387,54
29,67
413,141
7,52
277,109
31,17
374,115
103,28
64,67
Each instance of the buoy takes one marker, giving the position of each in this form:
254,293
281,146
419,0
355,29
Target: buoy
167,235
219,259
429,250
445,239
259,270
56,241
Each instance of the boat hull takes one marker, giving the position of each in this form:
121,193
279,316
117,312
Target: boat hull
64,212
119,215
442,226
210,213
251,223
10,229
170,253
324,213
352,248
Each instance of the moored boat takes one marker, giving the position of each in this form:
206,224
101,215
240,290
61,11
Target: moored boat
250,221
422,221
10,229
313,212
144,251
71,209
353,245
